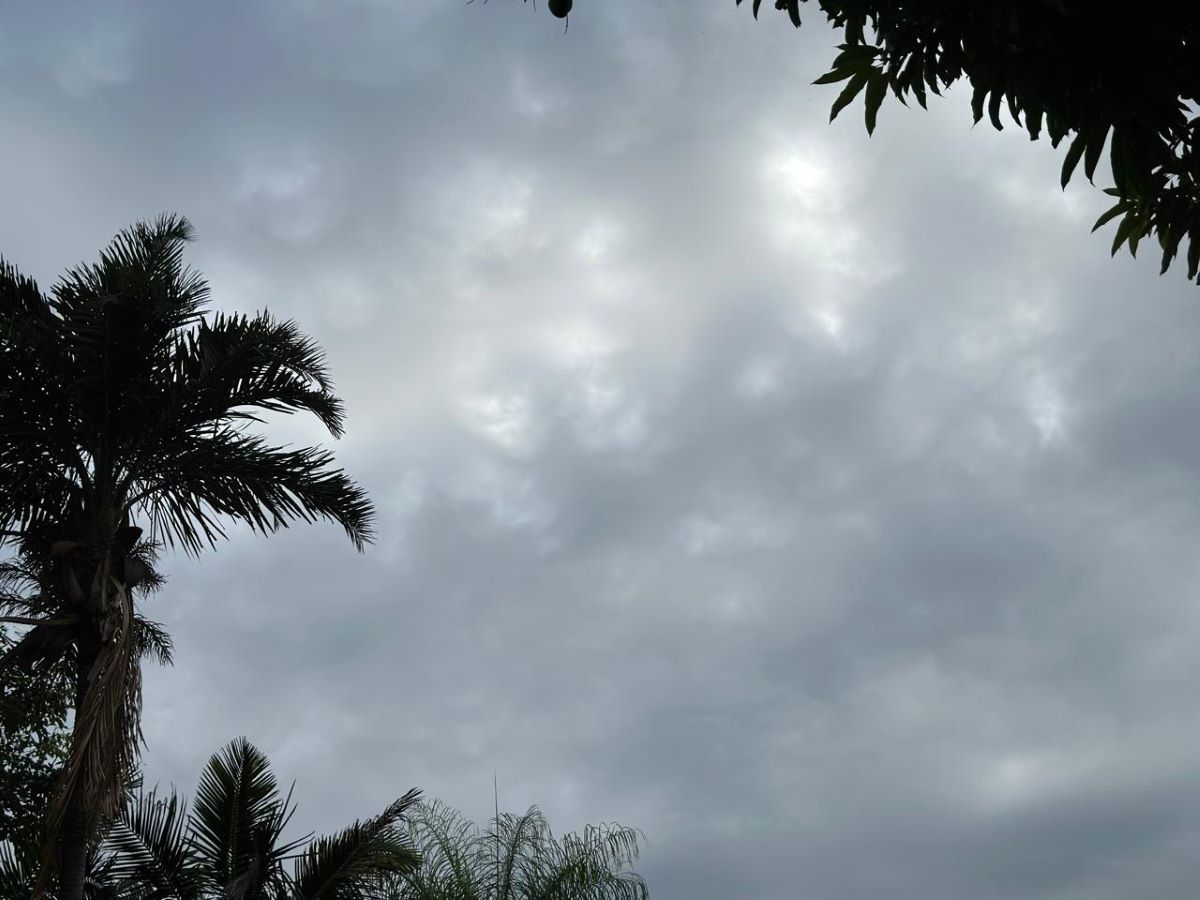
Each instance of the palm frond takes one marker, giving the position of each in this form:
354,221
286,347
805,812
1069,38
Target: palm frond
141,272
18,870
238,817
42,645
17,577
509,838
236,363
151,640
596,864
345,865
148,847
99,882
197,481
39,459
454,860
23,589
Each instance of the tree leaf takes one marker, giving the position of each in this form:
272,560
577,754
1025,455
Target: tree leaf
1111,213
857,83
876,91
1118,156
835,75
1124,230
1014,108
1033,122
1170,245
994,109
919,91
1094,146
913,79
978,95
931,69
1073,156
1135,237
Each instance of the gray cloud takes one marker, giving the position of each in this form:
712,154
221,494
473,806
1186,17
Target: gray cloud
821,505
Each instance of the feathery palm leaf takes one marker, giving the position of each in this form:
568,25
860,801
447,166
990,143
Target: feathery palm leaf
148,847
595,864
195,480
517,843
450,847
346,865
40,465
237,819
18,869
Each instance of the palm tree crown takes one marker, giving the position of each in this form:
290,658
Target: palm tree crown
121,399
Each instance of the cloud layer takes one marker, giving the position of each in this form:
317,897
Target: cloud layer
822,506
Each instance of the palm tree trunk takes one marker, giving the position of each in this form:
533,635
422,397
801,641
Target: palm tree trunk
73,849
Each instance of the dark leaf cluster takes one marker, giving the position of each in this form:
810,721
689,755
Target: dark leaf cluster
33,745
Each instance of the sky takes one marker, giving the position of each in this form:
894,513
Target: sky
824,506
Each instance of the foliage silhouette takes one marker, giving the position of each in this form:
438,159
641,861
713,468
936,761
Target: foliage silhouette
122,401
34,741
230,844
517,858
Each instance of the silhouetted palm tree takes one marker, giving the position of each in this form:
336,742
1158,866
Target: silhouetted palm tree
517,858
122,405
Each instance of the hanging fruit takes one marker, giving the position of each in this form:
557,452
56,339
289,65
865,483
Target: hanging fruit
559,8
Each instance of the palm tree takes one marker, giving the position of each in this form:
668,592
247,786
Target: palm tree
518,858
122,405
230,845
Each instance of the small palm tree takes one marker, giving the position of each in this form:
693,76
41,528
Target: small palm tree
517,858
123,405
230,845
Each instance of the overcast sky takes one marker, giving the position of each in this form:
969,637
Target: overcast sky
824,506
